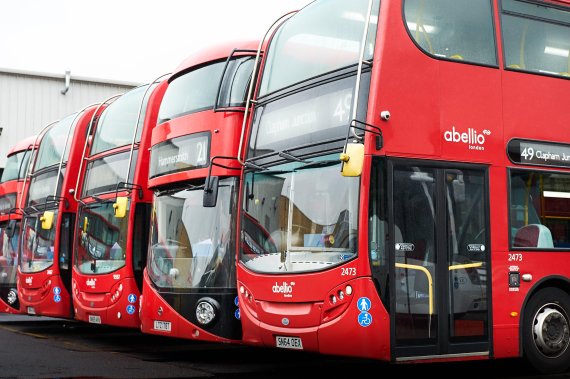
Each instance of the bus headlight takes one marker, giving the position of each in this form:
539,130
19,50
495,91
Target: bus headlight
207,310
12,297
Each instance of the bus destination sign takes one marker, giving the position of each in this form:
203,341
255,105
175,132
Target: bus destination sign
180,154
539,153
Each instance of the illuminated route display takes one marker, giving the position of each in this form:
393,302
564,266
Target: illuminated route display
539,153
179,154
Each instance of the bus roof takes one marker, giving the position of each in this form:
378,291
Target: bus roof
214,52
22,145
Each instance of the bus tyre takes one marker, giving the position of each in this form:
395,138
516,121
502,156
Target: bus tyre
546,330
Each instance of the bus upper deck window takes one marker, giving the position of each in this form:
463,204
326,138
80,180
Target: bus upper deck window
454,29
536,38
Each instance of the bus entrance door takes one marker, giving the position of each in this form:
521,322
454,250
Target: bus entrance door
440,255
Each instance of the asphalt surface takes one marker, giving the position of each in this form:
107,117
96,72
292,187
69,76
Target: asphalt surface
41,348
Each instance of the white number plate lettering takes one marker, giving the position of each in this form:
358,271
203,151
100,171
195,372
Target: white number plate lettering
288,342
165,326
94,319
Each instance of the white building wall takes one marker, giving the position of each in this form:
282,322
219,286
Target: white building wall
29,101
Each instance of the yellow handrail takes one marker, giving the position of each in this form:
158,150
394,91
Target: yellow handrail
430,281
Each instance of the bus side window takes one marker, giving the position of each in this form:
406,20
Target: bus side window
539,209
534,235
445,28
536,37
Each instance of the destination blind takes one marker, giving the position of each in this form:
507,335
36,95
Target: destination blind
180,154
539,153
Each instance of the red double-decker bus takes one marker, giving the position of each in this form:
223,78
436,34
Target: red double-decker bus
111,233
12,190
189,285
44,271
441,231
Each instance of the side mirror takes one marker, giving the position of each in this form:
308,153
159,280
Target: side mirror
47,220
120,206
11,228
353,159
85,224
210,192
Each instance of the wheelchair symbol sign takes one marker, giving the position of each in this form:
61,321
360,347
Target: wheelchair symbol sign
365,319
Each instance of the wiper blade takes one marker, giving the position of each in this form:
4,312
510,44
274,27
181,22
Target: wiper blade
290,157
170,191
325,163
254,166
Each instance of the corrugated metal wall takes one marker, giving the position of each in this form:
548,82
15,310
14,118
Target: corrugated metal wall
29,101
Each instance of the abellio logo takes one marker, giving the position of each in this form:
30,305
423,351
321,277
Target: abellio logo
285,288
472,138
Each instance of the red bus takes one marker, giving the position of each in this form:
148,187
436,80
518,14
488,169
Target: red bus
12,189
189,285
447,236
111,233
44,271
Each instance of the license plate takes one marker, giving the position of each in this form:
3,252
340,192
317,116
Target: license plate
93,319
165,326
31,311
288,342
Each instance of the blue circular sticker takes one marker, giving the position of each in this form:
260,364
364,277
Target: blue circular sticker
56,290
131,309
365,319
364,304
57,298
237,314
132,298
236,301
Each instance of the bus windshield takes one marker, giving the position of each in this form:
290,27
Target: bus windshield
37,244
324,37
55,143
118,121
299,217
191,245
42,186
104,174
9,238
16,166
193,91
101,239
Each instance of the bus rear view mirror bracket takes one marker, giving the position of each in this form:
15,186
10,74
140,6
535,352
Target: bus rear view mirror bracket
120,206
47,220
11,228
210,192
211,184
352,157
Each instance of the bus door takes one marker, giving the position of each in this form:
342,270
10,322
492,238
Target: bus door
439,217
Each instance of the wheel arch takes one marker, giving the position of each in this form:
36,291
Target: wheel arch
555,281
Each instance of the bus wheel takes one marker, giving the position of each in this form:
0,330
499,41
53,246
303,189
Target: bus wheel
546,330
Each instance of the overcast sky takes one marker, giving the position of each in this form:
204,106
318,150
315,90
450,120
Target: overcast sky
126,40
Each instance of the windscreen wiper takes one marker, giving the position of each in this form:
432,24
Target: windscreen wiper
290,157
170,191
313,164
254,166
